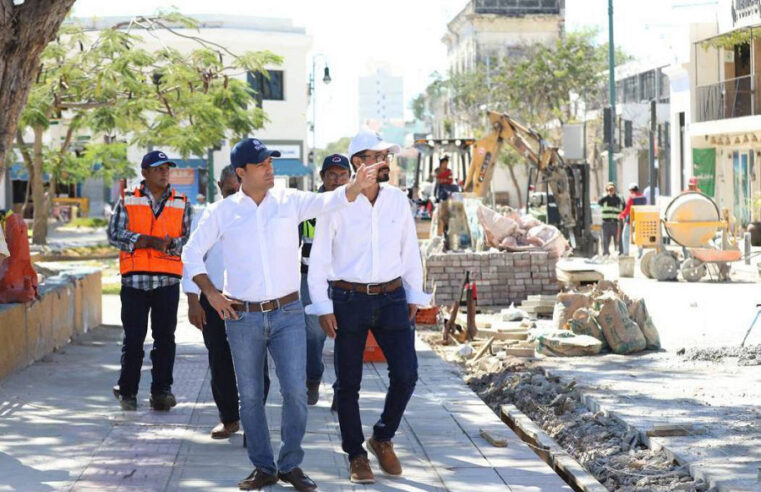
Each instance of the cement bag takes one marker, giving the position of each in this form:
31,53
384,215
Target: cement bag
563,343
498,226
584,322
638,312
526,222
621,332
567,304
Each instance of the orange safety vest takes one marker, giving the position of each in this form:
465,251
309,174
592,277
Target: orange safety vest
143,221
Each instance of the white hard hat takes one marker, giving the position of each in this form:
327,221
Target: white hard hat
633,186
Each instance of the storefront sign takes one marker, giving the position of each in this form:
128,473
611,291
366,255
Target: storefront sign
288,151
704,168
179,176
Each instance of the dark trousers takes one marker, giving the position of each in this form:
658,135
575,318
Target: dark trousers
223,384
609,232
387,316
162,305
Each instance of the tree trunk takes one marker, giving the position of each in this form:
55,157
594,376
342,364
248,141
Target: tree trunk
25,30
40,227
516,184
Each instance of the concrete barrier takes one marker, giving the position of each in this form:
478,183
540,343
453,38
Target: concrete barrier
69,305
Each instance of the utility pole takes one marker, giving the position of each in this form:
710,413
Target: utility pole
612,90
651,175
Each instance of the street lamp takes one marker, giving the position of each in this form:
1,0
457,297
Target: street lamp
312,93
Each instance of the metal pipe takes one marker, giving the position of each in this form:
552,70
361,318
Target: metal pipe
612,91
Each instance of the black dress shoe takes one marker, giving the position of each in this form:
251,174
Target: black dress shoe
299,480
257,480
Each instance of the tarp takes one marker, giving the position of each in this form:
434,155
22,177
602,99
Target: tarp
704,168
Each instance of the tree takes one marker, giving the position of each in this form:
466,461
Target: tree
340,146
109,86
25,30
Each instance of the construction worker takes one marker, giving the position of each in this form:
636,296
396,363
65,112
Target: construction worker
365,272
335,172
444,180
635,198
201,315
692,185
257,228
150,226
612,205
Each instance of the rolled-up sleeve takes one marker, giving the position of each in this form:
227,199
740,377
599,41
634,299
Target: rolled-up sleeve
320,259
310,205
203,238
412,264
119,234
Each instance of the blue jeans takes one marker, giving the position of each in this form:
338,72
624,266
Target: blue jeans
281,332
315,338
625,240
387,316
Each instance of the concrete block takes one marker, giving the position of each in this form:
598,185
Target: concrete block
62,314
39,324
13,344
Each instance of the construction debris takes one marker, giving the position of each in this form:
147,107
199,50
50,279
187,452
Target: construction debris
515,232
602,444
496,441
671,430
539,305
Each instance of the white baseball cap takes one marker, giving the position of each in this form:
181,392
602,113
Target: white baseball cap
367,140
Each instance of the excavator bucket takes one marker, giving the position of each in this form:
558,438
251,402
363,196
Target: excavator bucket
18,280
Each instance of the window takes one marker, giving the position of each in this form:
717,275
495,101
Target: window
630,89
267,88
647,86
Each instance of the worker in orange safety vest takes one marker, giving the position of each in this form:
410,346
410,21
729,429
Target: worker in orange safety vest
150,225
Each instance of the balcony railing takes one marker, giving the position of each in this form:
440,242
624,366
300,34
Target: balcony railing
731,98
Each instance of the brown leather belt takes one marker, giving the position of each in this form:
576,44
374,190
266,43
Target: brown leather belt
264,306
369,289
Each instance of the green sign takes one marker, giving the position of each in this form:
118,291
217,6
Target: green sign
704,168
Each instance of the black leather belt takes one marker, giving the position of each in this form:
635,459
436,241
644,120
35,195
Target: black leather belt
264,306
369,289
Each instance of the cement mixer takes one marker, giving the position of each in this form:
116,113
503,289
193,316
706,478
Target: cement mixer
691,220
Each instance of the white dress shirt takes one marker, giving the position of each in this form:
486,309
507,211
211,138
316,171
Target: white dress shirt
260,243
366,244
215,268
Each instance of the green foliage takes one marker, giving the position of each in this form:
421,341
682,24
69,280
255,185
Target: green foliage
88,222
340,146
111,88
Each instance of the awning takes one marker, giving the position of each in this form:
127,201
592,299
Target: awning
290,167
194,163
19,173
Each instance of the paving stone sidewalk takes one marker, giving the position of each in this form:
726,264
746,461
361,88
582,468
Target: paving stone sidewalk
61,429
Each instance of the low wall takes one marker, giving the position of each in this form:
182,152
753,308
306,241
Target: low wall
501,277
69,305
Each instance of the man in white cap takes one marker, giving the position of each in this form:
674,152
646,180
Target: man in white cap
365,273
257,229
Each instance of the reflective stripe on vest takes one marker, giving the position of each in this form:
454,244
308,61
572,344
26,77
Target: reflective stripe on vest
142,220
307,236
610,212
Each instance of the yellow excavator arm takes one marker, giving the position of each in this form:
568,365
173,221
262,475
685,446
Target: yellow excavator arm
532,147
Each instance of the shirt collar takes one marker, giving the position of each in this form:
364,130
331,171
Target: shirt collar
146,192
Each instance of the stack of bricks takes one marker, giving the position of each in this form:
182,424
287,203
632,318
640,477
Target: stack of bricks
501,277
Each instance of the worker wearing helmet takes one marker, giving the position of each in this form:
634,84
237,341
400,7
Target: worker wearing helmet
612,205
635,198
692,185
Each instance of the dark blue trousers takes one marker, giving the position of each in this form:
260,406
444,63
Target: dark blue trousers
387,316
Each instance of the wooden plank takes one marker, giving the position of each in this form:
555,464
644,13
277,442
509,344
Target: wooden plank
483,349
494,440
669,430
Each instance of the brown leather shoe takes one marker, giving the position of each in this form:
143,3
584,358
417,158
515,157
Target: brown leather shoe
257,480
384,451
223,431
298,479
359,470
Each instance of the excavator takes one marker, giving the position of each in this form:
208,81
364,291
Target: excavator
566,185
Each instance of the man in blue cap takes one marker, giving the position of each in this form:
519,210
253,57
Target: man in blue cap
150,225
257,228
335,172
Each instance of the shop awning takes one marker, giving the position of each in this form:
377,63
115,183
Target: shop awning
290,167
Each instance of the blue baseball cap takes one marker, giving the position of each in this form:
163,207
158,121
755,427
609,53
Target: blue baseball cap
156,158
336,160
250,151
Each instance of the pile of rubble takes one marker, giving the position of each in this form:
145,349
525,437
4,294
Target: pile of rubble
511,231
599,442
746,356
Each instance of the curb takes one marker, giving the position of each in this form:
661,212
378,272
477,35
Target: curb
550,451
653,443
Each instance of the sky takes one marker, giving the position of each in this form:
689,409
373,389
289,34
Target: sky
405,36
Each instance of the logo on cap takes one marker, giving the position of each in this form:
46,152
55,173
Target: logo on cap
258,145
336,158
162,155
